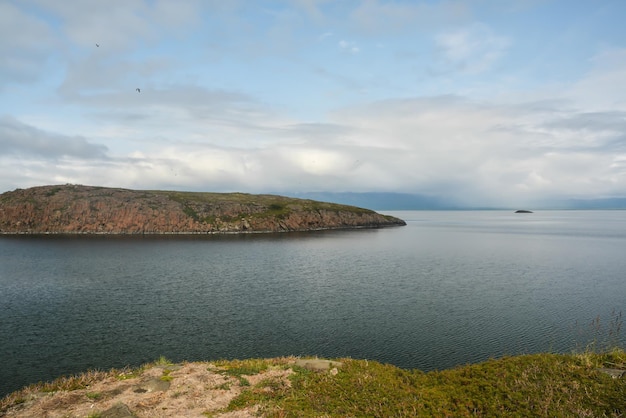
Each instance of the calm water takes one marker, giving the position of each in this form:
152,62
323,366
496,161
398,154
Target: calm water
447,289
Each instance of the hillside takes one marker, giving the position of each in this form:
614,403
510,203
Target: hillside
76,209
546,385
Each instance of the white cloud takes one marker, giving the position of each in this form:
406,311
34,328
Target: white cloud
349,47
312,7
384,17
477,153
116,25
17,138
458,142
473,49
255,100
24,44
600,89
325,35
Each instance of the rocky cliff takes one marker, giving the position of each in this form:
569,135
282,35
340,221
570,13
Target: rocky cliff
79,209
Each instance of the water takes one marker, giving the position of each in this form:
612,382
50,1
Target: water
448,289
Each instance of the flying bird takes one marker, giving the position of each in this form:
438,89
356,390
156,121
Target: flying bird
138,90
98,45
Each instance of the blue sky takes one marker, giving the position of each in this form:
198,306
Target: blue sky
485,102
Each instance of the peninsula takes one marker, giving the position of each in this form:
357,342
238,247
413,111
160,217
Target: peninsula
78,209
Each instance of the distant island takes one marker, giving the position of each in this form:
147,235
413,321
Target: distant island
78,209
523,211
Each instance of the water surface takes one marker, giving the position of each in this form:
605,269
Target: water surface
448,289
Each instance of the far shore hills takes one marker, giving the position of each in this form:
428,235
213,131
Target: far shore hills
78,209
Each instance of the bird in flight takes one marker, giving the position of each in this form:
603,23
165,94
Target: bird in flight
98,45
138,90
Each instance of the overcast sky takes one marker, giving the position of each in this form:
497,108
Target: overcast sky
491,102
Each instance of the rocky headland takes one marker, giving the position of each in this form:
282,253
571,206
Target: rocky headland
77,209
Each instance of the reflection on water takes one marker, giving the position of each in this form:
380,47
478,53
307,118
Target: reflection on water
447,289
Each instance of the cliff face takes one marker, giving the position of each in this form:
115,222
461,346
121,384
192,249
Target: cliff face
87,209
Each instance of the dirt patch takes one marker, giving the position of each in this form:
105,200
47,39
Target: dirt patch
188,390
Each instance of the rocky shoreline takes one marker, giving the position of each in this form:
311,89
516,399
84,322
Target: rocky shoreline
77,209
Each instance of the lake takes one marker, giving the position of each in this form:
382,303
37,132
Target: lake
450,288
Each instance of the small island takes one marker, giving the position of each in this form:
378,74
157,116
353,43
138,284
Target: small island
78,209
523,211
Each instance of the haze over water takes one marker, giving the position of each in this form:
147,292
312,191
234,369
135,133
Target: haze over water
448,289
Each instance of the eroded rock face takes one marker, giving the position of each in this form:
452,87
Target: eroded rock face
90,210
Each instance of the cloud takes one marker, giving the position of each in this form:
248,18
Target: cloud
478,153
349,47
17,138
378,17
313,8
24,42
325,35
590,131
461,144
597,90
255,100
119,25
171,113
347,82
472,50
43,37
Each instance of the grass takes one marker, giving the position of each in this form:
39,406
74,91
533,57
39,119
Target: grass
69,383
64,383
237,368
548,384
240,368
205,207
602,334
94,395
189,211
166,376
266,205
79,381
53,191
162,361
530,385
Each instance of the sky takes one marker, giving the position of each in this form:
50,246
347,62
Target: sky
484,102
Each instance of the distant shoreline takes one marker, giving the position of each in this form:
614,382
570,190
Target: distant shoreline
78,233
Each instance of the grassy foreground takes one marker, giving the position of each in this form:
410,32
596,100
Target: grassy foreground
552,385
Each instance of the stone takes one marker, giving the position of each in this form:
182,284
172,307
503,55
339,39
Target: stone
152,385
614,373
119,410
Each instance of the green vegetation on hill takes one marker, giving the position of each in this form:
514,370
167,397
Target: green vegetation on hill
265,205
551,385
261,200
531,385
